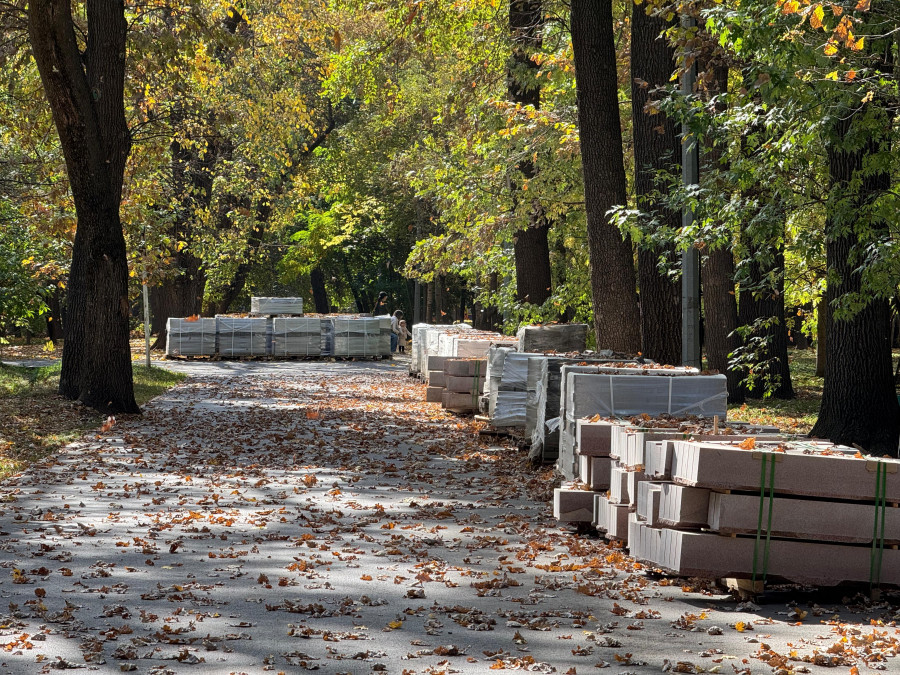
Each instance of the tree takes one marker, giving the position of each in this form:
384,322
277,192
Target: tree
616,316
84,86
657,149
532,249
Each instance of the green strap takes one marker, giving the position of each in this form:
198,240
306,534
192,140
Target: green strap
877,554
766,458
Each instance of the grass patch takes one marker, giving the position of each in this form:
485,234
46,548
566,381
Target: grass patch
35,421
796,416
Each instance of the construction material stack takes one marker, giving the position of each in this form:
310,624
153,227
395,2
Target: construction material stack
192,336
273,306
559,337
463,384
624,390
435,379
296,336
615,457
808,512
241,336
543,404
362,336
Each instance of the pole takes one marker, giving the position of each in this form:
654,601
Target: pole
146,321
690,259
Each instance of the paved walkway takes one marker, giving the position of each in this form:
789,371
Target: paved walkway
309,516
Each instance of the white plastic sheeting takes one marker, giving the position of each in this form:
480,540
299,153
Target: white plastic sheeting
562,337
276,305
362,336
186,337
296,336
241,336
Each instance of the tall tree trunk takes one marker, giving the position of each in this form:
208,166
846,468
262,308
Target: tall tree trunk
859,402
762,302
532,252
657,147
616,316
717,273
85,91
721,317
440,314
320,293
822,312
429,302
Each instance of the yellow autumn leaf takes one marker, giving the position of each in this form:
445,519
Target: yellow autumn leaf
830,48
740,626
833,76
790,7
393,625
863,5
857,45
816,16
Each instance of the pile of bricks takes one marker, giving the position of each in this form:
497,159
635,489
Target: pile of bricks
746,504
455,383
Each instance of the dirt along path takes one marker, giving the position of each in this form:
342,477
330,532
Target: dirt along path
321,517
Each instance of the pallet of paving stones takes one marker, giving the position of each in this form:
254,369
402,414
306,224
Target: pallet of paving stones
544,379
623,390
614,456
746,506
241,336
559,337
456,383
190,337
276,306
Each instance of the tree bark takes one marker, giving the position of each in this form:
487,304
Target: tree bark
657,147
859,401
616,316
85,92
320,293
821,336
717,274
763,300
532,252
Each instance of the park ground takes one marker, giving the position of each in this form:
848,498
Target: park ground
283,517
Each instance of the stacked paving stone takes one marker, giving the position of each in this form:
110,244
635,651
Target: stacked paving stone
623,390
241,336
558,337
615,456
810,512
362,336
543,404
455,383
272,306
193,336
297,336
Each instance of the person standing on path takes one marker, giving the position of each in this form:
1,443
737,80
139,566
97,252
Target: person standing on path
404,337
395,329
380,307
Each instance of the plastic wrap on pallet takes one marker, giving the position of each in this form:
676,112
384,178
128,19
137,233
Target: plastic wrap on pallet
296,336
509,410
515,372
241,336
534,368
357,336
191,337
496,357
563,337
610,395
384,335
327,337
276,305
417,355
